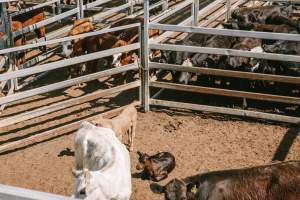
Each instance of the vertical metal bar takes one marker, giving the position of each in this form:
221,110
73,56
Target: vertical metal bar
145,61
228,11
81,9
165,5
58,5
78,9
9,43
131,7
139,62
195,12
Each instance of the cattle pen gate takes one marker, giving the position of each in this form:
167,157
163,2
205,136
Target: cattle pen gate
144,46
154,44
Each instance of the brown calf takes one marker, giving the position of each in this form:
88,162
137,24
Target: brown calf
123,125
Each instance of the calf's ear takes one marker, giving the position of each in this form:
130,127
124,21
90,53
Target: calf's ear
156,188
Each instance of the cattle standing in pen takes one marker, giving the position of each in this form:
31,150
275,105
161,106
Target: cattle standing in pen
156,167
275,181
263,14
124,124
102,165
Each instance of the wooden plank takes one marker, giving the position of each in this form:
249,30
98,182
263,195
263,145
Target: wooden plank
67,83
16,193
226,73
227,111
227,52
226,92
60,130
65,104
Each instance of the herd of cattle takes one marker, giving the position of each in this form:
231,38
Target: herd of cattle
102,169
274,18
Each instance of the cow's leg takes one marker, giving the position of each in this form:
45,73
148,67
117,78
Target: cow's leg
132,135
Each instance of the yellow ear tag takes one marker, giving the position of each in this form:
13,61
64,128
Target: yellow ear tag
194,189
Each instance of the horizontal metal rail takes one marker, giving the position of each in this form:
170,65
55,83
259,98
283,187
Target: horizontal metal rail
65,104
17,193
172,10
67,62
64,39
95,3
64,84
33,8
226,73
45,22
226,92
113,11
226,32
187,21
227,52
92,9
227,111
140,12
60,130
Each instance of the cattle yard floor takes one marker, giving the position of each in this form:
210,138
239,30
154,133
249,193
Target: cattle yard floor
200,142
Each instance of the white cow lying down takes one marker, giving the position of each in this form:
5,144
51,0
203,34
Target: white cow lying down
102,165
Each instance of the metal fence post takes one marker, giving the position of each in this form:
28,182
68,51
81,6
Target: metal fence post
145,58
195,10
228,11
12,84
80,13
165,6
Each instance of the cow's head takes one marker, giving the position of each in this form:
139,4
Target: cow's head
142,160
185,76
174,190
116,60
67,49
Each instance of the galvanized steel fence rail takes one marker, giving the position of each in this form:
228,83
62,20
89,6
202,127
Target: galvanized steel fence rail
184,28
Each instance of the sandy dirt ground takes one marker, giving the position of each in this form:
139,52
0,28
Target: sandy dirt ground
200,143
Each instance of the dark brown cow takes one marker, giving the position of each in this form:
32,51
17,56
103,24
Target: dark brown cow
276,181
156,167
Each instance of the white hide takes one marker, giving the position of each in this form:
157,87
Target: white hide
102,164
67,49
254,62
117,60
186,76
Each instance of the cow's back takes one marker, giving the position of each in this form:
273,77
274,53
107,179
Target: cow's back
274,181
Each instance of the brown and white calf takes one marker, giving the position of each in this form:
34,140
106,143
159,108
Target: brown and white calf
123,125
276,181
